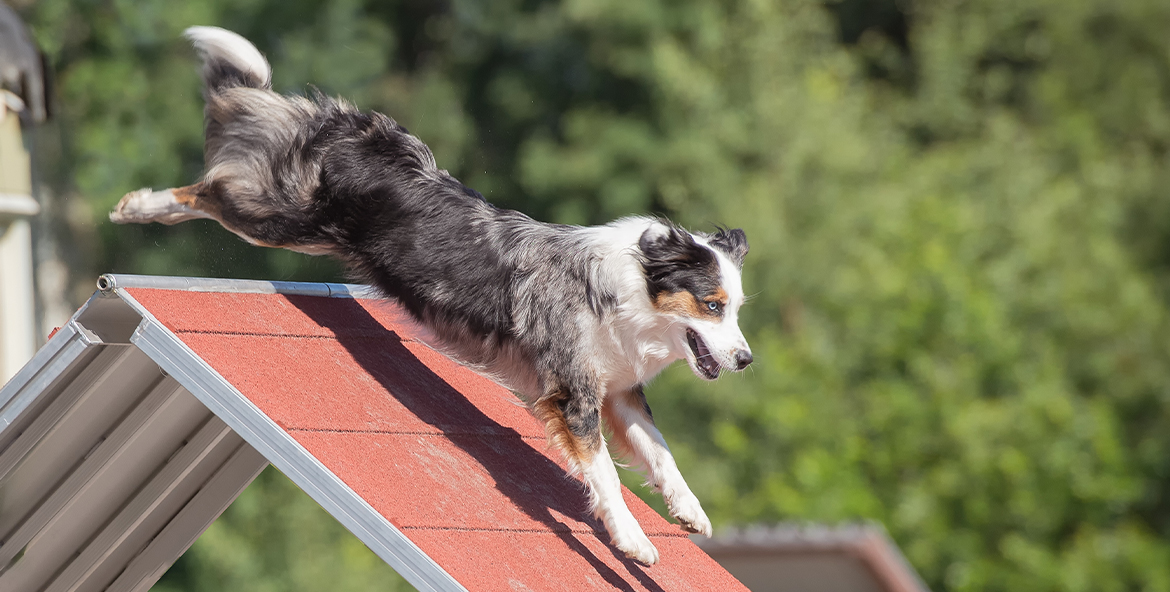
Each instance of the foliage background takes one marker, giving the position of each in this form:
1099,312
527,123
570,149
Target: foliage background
958,215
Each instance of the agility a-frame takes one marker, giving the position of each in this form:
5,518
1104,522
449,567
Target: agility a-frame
145,416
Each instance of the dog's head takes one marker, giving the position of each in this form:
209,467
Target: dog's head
695,279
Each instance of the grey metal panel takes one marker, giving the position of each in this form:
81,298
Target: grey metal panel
92,465
180,533
349,508
33,429
168,465
96,486
63,447
99,562
111,282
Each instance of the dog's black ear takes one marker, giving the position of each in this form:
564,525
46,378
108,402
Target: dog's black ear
668,245
670,255
733,242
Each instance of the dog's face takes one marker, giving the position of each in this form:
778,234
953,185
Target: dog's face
695,279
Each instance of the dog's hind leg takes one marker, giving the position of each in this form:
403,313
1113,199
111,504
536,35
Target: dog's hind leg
259,225
169,206
636,437
573,423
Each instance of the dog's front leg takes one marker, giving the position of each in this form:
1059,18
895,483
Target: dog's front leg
573,423
638,439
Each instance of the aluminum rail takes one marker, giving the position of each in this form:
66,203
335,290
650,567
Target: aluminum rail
110,282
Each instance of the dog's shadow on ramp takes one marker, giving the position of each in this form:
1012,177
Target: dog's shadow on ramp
530,480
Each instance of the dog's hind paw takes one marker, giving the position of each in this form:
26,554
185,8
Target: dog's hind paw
146,205
689,513
130,208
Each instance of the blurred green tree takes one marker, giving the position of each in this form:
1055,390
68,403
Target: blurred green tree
957,210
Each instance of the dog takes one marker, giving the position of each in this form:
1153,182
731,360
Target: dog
575,320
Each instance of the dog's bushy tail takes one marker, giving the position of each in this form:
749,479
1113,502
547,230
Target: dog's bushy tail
229,60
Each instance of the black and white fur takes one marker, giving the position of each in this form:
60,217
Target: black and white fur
574,319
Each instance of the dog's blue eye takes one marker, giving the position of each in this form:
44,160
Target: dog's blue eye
713,306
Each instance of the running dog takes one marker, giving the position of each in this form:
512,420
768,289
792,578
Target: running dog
573,319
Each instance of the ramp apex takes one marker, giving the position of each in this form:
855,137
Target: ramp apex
112,281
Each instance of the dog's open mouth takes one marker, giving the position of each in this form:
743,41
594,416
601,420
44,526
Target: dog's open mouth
705,363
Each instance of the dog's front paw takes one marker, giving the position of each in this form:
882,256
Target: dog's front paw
626,534
636,545
686,509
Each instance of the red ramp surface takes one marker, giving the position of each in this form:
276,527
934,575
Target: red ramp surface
451,459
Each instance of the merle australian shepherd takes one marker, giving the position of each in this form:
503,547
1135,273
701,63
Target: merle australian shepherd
573,319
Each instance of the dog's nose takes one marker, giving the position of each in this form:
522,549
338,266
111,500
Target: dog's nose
742,359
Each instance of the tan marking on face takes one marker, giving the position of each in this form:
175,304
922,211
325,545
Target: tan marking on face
679,303
687,305
720,296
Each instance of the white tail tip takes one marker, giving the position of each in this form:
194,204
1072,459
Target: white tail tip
219,44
